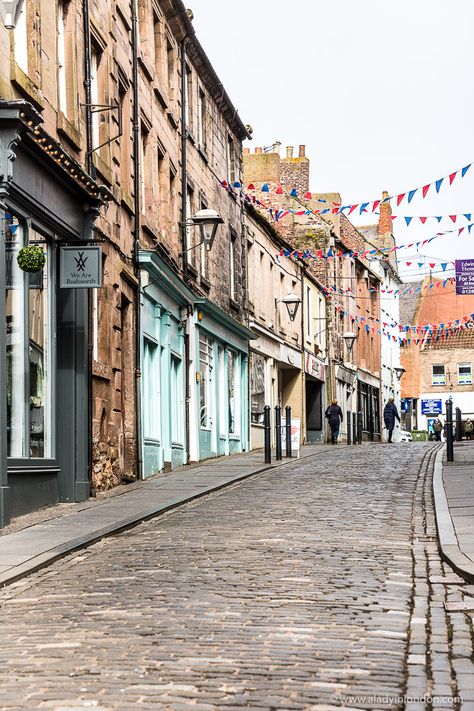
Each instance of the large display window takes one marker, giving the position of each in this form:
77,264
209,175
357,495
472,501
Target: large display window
30,329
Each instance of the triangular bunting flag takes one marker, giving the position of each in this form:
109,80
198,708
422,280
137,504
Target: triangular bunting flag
425,189
265,188
411,194
408,220
376,204
279,190
400,198
439,218
453,217
251,186
465,169
452,177
467,215
308,196
294,193
423,219
439,184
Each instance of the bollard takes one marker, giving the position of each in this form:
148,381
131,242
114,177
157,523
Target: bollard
288,430
278,454
458,425
359,427
267,434
349,438
449,431
354,428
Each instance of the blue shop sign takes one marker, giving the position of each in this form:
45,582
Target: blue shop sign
431,407
406,401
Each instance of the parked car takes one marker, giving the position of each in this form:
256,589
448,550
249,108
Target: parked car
405,436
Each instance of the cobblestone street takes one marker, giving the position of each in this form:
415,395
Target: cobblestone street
314,586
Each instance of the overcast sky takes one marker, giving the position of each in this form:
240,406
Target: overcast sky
381,93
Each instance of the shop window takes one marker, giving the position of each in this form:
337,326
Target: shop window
206,374
438,375
30,333
464,374
233,391
176,400
151,381
257,388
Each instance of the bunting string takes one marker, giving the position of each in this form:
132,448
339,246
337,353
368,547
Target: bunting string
363,207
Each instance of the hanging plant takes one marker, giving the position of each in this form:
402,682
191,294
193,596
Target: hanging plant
31,258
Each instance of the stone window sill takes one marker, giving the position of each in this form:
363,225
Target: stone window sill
26,86
69,131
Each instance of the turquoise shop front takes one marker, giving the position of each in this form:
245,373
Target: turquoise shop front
221,374
164,306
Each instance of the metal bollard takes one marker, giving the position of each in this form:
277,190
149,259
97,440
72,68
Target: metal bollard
267,434
449,431
458,424
278,454
349,438
359,427
288,430
354,428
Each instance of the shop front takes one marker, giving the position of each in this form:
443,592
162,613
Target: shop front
164,306
219,368
44,374
315,398
368,404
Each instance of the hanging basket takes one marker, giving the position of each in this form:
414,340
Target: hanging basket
31,258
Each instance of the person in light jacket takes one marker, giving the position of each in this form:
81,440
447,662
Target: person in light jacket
390,414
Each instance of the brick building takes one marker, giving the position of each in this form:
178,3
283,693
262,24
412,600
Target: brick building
441,368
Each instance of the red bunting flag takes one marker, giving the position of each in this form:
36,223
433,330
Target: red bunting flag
451,177
423,219
432,265
308,196
400,198
251,186
408,264
453,217
376,204
425,189
353,207
394,217
279,190
460,230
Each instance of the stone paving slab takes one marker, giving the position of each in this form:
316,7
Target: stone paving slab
453,487
26,551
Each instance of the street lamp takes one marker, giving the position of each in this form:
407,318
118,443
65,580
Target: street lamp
208,221
292,302
10,11
399,371
349,338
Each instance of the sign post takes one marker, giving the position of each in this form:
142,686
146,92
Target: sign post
464,276
295,434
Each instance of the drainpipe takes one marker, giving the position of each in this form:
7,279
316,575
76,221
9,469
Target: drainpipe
136,240
92,172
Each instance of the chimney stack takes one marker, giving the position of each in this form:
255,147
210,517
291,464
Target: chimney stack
302,151
289,152
259,150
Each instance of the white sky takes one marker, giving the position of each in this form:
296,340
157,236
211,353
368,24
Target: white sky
381,93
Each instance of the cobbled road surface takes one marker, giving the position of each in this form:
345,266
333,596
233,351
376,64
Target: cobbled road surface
314,586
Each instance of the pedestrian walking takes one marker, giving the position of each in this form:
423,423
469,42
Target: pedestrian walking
335,417
390,414
437,429
468,428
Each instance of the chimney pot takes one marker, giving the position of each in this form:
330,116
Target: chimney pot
259,150
302,151
289,152
246,151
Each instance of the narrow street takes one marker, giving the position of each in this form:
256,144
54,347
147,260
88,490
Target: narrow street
313,586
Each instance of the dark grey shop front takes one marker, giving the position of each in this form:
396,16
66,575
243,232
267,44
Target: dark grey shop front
44,348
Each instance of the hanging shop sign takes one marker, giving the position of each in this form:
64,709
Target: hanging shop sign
431,407
80,267
464,276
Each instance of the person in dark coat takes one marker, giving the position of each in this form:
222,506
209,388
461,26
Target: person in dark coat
390,414
335,417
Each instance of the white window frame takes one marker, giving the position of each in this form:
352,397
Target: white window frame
465,365
440,384
20,40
